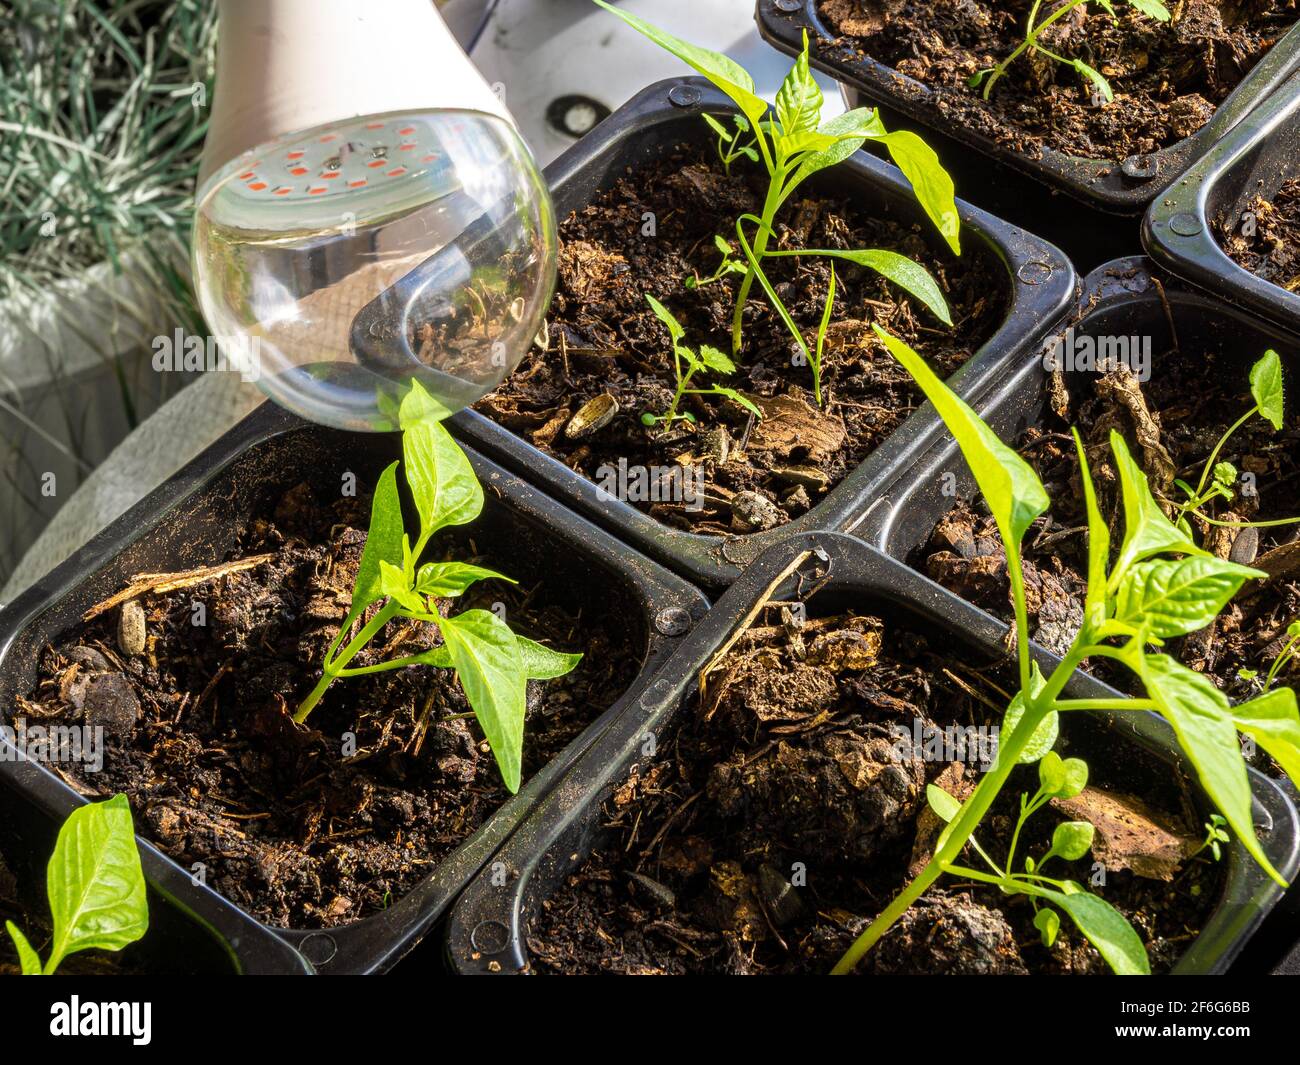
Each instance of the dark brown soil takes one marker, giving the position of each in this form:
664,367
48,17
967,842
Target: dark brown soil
786,770
319,825
1272,248
603,339
1192,397
1167,78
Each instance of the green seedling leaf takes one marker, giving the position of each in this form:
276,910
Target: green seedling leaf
1204,724
446,580
848,132
1103,926
488,663
1062,778
1147,531
664,315
737,397
419,406
725,73
28,960
441,479
1152,9
1266,387
1273,721
1098,540
715,360
799,100
95,883
541,663
1048,924
393,583
910,276
1044,737
718,128
1011,489
383,541
1071,840
930,182
1174,597
1225,474
943,804
1094,76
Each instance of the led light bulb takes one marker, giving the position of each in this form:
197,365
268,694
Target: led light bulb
375,223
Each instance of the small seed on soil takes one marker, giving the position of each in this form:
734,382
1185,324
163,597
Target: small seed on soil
716,446
592,416
131,628
111,702
751,512
796,500
1245,547
653,890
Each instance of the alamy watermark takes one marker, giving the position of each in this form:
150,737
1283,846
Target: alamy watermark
1074,353
976,745
53,743
183,352
652,484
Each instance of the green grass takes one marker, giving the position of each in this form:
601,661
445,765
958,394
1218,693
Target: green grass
100,139
99,133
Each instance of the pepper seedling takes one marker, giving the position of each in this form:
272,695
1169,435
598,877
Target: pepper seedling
1215,834
731,145
1160,585
95,887
1218,478
492,663
1058,778
793,144
1033,45
729,265
687,363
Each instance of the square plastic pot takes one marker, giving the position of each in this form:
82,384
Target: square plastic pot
1040,282
1125,298
1180,231
192,519
1024,190
487,927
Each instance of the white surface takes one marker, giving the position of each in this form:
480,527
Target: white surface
544,49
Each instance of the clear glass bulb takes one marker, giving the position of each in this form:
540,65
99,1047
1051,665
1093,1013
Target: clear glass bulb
337,264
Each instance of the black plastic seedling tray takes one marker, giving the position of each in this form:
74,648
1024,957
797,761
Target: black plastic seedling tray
1128,297
1183,228
191,521
486,932
990,173
1125,298
1040,280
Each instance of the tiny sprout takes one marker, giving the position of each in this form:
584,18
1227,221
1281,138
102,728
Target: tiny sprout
729,265
731,145
1215,834
686,364
1031,44
1218,478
